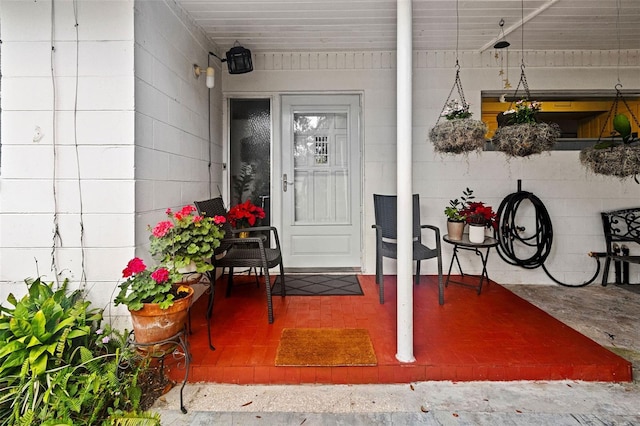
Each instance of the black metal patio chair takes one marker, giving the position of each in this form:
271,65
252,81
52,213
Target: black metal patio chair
386,237
252,252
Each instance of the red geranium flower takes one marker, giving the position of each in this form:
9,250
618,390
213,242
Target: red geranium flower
161,229
160,275
135,266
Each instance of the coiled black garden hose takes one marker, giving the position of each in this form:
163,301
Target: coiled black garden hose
510,235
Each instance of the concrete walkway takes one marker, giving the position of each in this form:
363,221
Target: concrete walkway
437,403
608,315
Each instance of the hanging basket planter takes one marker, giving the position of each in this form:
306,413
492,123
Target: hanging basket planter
455,132
621,161
458,136
615,157
523,140
519,133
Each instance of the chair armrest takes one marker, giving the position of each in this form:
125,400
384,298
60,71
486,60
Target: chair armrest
433,228
437,232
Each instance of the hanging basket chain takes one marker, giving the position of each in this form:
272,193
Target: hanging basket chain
522,82
614,110
457,84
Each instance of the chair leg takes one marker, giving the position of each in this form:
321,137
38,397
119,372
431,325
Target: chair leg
380,277
257,277
212,291
417,277
283,290
440,282
378,269
229,282
268,287
605,272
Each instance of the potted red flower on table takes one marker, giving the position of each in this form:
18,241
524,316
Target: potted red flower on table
245,215
479,217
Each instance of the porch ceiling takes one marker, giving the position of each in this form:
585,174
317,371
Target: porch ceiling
355,25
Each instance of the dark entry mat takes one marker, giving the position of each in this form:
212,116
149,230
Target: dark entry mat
320,285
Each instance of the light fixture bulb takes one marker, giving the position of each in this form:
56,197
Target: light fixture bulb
211,82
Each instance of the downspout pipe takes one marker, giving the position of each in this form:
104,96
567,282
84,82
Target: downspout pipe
404,132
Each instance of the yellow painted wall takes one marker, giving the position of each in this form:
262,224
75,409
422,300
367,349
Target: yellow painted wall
588,128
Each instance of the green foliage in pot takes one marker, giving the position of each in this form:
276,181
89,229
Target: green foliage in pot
454,211
144,285
58,366
185,238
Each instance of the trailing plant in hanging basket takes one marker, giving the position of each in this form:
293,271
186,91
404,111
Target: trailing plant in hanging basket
459,133
523,140
618,155
621,161
520,135
458,136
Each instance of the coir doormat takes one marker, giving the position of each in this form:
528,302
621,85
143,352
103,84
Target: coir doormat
325,347
320,285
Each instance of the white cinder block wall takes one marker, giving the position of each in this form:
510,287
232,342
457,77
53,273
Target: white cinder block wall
172,151
573,197
140,131
81,97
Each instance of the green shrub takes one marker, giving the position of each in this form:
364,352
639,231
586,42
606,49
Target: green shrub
58,365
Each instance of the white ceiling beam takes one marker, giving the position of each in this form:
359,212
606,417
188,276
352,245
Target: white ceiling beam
519,24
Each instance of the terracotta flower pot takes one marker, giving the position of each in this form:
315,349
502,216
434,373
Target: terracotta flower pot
152,324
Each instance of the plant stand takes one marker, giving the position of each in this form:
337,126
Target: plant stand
179,350
465,244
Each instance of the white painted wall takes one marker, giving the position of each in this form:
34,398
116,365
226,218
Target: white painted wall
172,152
86,116
140,130
573,197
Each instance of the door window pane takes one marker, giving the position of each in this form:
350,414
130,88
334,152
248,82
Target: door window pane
250,153
321,168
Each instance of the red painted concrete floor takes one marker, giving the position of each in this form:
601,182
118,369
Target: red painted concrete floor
493,336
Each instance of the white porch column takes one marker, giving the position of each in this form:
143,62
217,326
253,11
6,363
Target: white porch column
404,181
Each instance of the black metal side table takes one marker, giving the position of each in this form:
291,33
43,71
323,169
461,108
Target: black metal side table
176,346
465,244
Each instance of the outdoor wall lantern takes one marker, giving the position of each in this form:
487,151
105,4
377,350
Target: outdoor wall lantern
210,72
238,59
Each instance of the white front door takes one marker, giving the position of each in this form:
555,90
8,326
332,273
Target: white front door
320,182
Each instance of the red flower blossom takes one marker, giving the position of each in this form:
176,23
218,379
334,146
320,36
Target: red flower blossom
245,213
187,210
135,266
478,213
160,275
219,220
162,228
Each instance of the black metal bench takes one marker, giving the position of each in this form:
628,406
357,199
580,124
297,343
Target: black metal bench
621,228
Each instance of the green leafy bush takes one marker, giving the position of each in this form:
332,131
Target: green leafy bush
58,365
